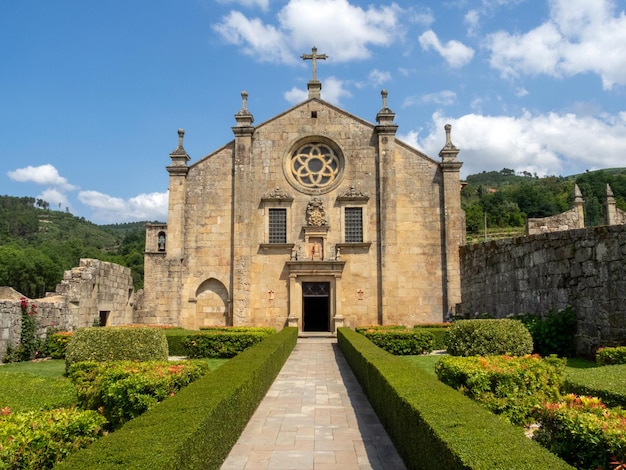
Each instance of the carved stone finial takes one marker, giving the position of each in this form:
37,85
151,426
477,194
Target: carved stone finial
384,94
181,135
244,104
449,144
609,191
315,214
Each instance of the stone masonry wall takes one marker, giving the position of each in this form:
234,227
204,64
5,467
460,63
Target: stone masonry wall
86,292
583,268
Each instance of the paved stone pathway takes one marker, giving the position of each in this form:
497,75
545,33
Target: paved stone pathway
314,416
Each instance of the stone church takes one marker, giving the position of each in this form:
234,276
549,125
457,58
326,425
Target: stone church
315,218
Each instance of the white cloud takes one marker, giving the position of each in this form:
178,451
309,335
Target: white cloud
378,77
263,42
580,36
152,206
443,98
43,174
296,95
57,199
108,209
339,29
263,4
546,144
472,19
521,92
333,90
455,53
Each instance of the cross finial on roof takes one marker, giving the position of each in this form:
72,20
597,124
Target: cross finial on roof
313,57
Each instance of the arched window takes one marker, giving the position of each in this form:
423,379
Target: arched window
161,241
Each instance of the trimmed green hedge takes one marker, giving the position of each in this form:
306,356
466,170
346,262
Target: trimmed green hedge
117,343
196,428
176,340
222,344
439,335
402,342
489,338
605,382
611,356
433,426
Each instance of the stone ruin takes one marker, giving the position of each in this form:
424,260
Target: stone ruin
91,294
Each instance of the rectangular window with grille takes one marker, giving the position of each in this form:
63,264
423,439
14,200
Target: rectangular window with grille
354,224
278,225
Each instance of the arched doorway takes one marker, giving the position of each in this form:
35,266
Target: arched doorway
211,304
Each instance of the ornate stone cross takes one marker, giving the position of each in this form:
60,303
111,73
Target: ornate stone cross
313,57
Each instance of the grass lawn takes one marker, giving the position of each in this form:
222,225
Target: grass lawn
41,385
26,386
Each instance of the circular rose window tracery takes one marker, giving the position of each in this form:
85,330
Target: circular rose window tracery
315,167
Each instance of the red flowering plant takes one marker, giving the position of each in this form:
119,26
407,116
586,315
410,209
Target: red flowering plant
29,345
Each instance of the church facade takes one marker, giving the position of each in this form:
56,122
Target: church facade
314,218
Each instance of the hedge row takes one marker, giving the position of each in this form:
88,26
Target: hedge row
402,342
433,426
488,338
196,428
611,356
439,335
221,344
117,343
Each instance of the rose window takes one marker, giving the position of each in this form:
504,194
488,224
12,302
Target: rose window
315,166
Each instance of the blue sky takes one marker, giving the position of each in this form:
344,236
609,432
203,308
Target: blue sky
92,93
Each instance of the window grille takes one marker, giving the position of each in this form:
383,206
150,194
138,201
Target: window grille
354,224
278,225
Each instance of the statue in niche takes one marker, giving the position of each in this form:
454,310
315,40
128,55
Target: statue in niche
316,248
315,215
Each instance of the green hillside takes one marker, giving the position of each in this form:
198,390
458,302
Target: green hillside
502,200
38,244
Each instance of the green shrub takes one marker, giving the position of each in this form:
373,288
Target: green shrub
176,341
433,426
553,334
221,344
362,329
606,383
240,329
507,386
124,390
439,334
583,432
611,356
57,344
196,428
488,338
40,439
402,342
116,344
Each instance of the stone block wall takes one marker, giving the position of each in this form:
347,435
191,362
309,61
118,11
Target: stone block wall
535,274
569,220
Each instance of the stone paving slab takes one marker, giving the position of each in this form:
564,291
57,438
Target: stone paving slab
314,416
